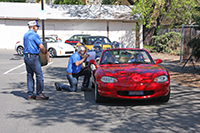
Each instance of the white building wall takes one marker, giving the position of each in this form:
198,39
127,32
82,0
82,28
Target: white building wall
123,33
2,35
13,30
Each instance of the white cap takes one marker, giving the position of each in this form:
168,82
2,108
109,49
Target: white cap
33,23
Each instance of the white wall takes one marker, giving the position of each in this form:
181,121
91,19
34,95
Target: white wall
122,32
13,30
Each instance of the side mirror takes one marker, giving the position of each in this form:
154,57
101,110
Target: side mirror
97,60
93,65
158,61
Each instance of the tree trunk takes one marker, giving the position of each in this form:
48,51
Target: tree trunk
148,33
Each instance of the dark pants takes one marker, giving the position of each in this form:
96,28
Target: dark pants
33,66
73,81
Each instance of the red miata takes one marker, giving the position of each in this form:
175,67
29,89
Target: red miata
129,73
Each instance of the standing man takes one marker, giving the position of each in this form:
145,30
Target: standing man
74,71
32,44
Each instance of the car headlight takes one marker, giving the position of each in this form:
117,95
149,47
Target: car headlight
107,79
162,78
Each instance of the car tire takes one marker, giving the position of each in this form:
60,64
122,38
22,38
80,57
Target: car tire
164,99
20,50
98,98
52,52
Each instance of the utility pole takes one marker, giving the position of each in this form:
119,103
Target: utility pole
43,35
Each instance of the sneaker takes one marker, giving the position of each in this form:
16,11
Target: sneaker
42,97
85,89
31,97
57,88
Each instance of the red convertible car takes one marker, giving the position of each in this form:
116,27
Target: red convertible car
129,73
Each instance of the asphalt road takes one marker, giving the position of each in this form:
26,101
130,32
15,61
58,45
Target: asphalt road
77,112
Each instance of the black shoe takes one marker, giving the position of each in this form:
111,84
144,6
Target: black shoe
31,97
42,97
85,89
57,88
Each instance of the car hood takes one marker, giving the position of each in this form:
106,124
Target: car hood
61,46
145,70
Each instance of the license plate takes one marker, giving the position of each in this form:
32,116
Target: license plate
133,93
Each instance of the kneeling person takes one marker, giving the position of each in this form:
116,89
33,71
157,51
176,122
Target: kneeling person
74,71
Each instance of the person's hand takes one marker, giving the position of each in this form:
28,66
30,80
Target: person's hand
87,56
46,51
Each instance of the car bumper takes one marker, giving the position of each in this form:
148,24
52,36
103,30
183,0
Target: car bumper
65,53
152,90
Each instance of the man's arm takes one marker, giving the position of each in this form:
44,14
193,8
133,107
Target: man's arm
42,48
81,61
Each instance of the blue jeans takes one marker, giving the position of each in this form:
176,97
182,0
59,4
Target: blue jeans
33,66
73,81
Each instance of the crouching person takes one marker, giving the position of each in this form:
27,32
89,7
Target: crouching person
75,70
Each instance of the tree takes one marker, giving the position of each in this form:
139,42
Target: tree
181,12
69,2
194,43
196,17
111,2
13,1
152,13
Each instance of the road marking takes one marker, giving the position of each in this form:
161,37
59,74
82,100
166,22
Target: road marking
14,68
21,66
49,63
23,72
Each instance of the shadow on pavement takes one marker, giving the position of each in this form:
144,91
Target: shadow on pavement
181,113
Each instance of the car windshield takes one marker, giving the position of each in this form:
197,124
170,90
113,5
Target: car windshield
126,56
92,40
77,37
49,40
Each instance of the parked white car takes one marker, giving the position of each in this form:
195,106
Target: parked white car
54,47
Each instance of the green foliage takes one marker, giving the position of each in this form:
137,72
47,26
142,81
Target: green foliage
195,42
69,2
157,29
149,10
23,1
180,11
108,2
147,47
166,43
196,18
175,52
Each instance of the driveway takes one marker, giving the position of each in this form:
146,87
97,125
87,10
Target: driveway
77,112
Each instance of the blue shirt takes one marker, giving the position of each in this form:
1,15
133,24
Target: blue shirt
72,68
31,42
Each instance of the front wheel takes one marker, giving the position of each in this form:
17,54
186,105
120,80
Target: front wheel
164,98
20,50
52,52
98,98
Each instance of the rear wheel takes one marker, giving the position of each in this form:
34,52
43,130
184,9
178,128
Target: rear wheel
98,98
52,52
20,50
